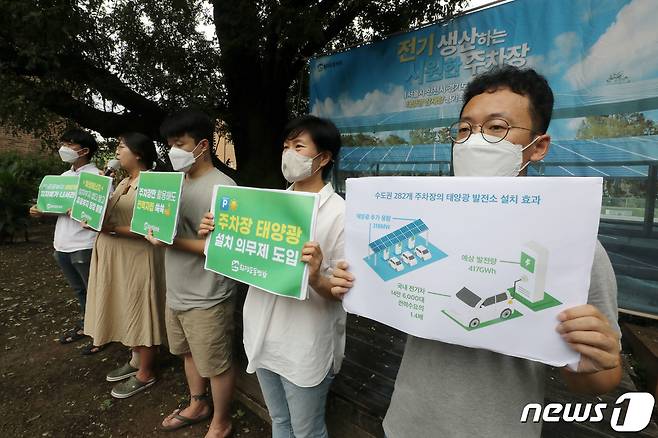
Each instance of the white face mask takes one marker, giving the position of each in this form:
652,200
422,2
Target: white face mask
68,155
477,157
296,167
182,160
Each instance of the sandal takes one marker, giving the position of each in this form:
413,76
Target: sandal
92,349
72,336
186,421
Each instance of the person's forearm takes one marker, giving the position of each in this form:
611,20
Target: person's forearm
322,286
592,383
194,246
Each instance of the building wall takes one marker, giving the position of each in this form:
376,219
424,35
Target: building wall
224,148
23,143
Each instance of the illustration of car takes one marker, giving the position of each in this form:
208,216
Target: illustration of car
395,263
475,310
409,258
423,253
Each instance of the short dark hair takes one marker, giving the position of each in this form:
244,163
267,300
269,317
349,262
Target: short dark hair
190,121
323,132
81,137
197,125
142,146
526,82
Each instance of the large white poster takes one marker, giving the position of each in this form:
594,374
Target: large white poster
480,262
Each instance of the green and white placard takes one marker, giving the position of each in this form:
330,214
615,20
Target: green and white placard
57,193
157,204
91,199
259,235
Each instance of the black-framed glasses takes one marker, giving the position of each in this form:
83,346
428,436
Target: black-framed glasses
493,130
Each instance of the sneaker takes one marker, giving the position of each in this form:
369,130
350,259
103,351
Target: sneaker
123,372
130,387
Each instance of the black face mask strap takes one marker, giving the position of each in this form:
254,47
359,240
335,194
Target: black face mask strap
451,171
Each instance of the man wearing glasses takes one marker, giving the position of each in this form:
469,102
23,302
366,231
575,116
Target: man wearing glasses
445,390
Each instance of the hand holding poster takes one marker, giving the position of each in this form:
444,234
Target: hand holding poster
156,204
479,262
91,199
56,193
259,235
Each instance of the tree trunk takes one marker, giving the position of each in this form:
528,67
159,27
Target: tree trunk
256,118
258,147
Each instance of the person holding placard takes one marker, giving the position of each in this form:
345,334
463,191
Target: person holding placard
296,347
200,303
452,391
73,243
127,281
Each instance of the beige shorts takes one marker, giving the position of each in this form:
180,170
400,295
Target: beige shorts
205,333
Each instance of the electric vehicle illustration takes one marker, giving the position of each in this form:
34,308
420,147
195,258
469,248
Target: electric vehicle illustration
423,253
409,258
471,310
396,264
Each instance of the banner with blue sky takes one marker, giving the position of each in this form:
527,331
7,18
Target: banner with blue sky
600,57
391,99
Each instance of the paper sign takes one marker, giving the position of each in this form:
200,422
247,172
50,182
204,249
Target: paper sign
479,262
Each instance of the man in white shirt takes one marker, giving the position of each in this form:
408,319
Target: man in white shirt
73,243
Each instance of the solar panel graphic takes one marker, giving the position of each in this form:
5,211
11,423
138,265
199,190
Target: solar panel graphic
399,235
627,157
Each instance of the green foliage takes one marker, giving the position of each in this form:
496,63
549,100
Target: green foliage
393,140
20,176
361,139
616,125
121,66
443,135
105,153
422,136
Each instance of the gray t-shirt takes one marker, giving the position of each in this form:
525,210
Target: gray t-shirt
189,285
445,390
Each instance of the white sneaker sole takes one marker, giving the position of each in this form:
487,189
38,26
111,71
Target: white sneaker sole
130,394
119,378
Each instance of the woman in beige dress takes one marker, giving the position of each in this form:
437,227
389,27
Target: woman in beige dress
126,294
